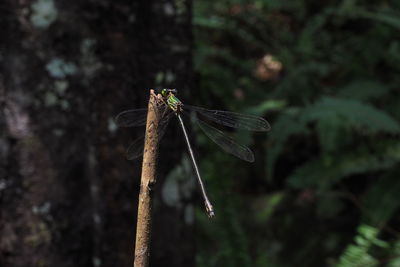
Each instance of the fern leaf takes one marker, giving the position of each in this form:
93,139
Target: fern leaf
363,90
284,127
357,254
362,116
322,173
382,200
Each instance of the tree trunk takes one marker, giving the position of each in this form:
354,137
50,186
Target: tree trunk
68,196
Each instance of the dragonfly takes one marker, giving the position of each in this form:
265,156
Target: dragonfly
172,106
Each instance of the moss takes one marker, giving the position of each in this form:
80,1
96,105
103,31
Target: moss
90,64
50,99
58,68
44,13
39,234
61,86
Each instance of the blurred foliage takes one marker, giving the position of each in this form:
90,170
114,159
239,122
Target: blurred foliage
324,188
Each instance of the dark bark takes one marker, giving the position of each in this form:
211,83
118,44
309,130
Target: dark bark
68,197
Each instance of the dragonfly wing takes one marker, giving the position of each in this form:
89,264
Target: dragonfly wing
132,118
225,142
233,119
136,148
163,125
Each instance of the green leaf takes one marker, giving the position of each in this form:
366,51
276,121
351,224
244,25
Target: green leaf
382,200
284,127
363,90
389,17
266,205
359,115
358,254
322,173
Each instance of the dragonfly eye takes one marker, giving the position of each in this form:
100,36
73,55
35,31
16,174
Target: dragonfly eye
164,92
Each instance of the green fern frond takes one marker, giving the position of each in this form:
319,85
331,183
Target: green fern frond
388,17
284,127
360,115
363,90
357,255
323,172
382,200
395,259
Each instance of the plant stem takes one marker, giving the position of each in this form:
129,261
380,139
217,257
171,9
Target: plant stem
148,179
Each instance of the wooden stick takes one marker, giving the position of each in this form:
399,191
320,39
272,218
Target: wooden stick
148,179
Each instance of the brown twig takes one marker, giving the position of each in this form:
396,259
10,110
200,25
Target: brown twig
148,179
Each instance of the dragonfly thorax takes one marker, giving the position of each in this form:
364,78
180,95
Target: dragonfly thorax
171,100
174,103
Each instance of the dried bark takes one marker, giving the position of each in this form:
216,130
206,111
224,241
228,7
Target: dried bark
148,180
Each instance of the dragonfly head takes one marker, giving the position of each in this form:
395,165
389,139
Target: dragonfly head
165,92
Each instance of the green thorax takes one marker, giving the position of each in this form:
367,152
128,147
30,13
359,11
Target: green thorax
174,103
171,100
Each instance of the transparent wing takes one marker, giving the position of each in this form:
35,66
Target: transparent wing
136,148
132,118
225,142
233,119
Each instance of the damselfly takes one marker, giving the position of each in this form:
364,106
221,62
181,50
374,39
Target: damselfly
173,106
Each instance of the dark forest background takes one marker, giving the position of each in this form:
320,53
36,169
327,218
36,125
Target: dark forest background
323,191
